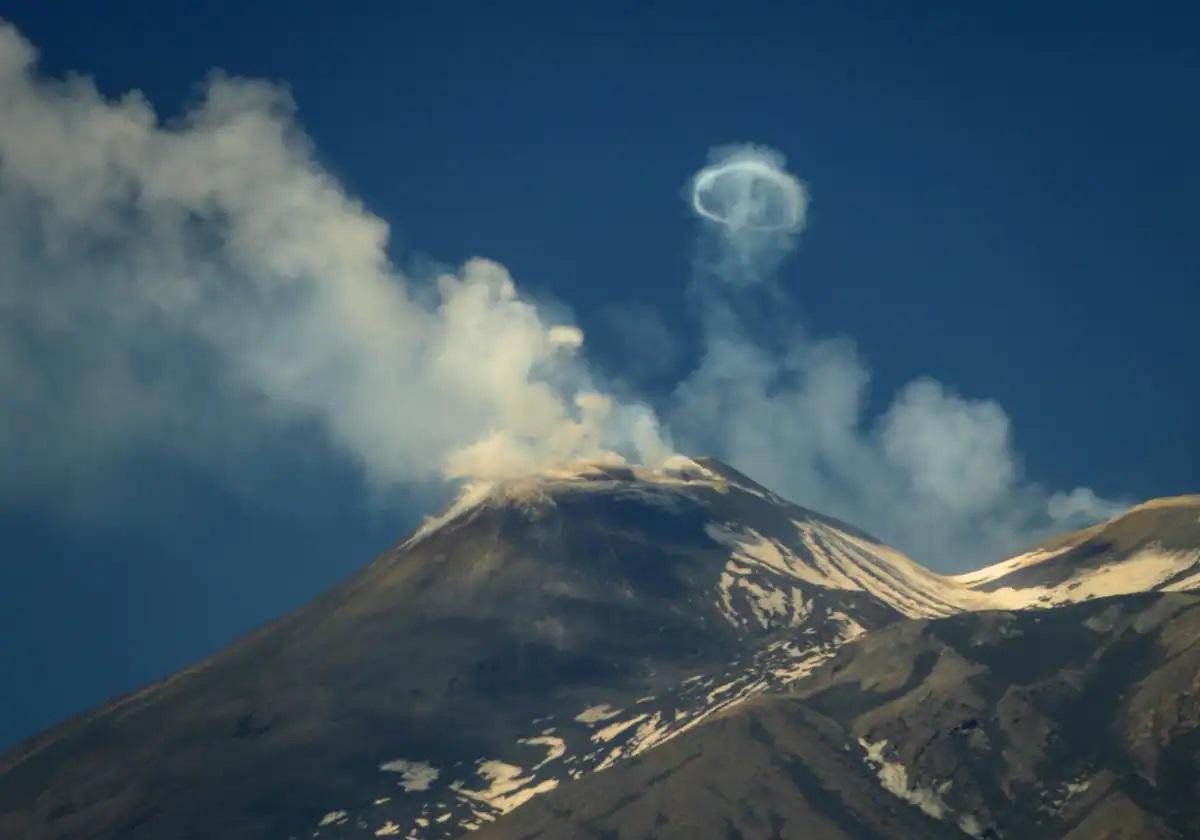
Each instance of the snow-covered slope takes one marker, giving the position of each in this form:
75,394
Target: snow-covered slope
1152,547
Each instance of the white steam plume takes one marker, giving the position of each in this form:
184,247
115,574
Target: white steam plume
185,286
193,287
936,474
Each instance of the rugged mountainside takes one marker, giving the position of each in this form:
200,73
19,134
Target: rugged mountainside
1078,722
536,631
602,618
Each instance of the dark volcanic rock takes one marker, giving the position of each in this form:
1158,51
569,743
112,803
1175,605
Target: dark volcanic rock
1081,722
465,654
616,652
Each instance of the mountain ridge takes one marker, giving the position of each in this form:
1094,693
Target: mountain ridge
1154,546
534,633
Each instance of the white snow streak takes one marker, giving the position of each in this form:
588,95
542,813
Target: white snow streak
1145,571
507,788
594,714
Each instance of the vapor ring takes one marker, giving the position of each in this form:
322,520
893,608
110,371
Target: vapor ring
756,196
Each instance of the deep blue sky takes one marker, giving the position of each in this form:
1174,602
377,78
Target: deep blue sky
1002,200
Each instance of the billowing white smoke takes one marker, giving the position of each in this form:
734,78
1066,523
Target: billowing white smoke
196,287
936,474
181,285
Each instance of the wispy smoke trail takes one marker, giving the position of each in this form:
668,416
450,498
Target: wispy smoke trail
936,473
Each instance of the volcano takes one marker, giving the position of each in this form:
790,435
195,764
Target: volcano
612,651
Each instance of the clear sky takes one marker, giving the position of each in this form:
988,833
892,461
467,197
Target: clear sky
1003,201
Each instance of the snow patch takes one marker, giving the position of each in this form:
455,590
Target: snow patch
893,777
849,628
751,548
555,748
333,817
613,730
595,714
507,788
415,775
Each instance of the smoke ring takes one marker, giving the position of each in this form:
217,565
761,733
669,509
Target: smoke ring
743,190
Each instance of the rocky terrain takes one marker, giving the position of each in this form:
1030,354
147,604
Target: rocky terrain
620,652
1076,722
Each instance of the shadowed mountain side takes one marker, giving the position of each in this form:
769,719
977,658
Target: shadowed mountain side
771,768
1080,722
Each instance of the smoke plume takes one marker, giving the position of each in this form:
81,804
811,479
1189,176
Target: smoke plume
193,287
936,474
188,286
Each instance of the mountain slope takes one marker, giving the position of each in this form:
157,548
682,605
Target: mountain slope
1151,547
538,630
1080,722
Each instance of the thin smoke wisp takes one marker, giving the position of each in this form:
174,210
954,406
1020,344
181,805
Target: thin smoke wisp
936,474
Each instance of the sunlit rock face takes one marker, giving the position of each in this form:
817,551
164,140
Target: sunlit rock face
593,617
